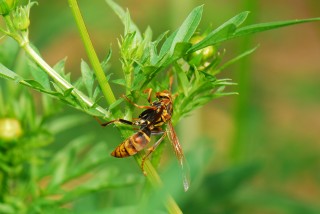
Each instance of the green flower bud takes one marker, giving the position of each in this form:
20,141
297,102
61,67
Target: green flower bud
201,58
6,6
21,19
10,129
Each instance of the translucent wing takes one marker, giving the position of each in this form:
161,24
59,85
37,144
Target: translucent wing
179,154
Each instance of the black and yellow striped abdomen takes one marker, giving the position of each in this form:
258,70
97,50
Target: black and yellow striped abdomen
133,144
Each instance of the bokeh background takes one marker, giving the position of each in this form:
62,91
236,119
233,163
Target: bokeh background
259,150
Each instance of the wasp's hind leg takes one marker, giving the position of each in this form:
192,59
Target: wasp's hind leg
151,149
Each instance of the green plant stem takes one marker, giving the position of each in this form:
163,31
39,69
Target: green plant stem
156,182
103,82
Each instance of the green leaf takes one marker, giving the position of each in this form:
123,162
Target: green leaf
180,50
59,66
39,75
57,88
130,26
167,45
154,45
34,84
255,28
115,104
8,74
119,82
235,59
9,49
184,33
182,78
96,93
188,27
67,92
230,30
105,61
87,77
222,32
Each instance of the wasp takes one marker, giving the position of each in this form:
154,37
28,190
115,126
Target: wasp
150,122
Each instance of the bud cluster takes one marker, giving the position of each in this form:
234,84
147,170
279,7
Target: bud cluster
21,19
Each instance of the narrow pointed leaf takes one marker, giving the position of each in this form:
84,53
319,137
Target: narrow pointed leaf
124,17
188,27
167,45
59,66
182,79
235,59
184,33
87,77
223,31
269,26
105,61
39,75
8,74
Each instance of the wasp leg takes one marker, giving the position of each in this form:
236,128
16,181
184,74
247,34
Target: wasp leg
115,121
157,131
138,106
170,82
148,91
150,150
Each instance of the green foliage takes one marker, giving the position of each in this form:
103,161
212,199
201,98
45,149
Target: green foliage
34,179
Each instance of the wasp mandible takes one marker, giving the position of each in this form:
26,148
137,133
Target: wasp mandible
150,121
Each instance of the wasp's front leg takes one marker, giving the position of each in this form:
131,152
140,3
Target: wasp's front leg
138,106
149,92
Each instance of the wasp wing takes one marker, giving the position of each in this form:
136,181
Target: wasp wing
180,156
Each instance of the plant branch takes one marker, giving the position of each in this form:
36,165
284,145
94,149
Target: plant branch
54,75
93,58
22,38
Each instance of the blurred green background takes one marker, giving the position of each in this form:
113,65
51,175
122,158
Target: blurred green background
257,152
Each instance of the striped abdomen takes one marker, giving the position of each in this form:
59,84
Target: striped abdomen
133,144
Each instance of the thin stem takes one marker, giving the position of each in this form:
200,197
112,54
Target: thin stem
103,82
156,182
10,27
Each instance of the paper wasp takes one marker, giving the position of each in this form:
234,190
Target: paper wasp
150,121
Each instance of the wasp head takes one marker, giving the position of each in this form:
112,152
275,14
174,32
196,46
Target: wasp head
164,95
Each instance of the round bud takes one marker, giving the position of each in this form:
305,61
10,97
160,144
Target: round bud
10,129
